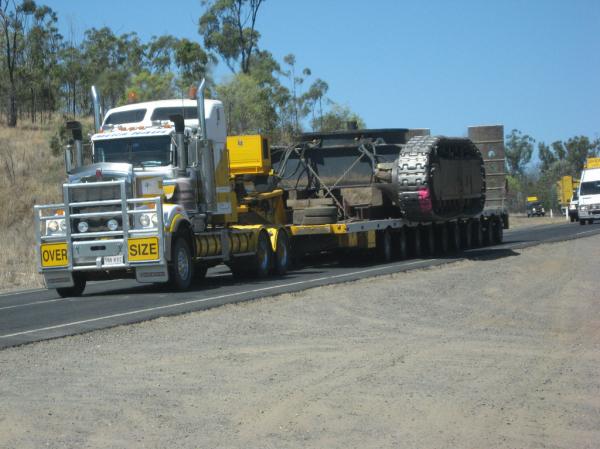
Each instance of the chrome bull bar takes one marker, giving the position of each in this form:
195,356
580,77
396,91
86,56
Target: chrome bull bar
117,240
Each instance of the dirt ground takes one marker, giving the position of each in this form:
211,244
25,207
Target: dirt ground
500,353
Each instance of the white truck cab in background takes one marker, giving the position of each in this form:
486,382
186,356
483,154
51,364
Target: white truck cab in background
589,192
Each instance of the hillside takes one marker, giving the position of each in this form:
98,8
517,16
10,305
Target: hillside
29,174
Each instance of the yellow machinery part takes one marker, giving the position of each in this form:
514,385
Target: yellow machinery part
249,155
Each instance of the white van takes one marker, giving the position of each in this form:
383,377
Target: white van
589,196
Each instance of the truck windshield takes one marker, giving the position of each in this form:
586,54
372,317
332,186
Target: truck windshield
590,188
145,151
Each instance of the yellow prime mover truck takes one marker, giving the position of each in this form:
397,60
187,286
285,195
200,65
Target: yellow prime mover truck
165,195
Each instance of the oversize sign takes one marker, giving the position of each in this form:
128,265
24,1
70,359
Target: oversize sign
143,249
54,254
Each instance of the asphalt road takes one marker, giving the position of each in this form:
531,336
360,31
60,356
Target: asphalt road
35,315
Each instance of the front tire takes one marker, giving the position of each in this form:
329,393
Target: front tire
181,271
77,289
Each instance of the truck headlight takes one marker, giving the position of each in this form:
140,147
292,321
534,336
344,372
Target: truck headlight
56,226
82,226
112,224
147,220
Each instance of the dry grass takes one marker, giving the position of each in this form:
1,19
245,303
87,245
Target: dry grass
29,174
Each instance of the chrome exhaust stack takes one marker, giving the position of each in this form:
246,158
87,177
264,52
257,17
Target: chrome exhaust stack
97,109
207,156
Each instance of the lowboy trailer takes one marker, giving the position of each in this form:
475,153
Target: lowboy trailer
168,195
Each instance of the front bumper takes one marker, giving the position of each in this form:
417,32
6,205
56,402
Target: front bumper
127,249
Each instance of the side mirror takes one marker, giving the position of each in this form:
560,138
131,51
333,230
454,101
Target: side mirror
76,132
68,159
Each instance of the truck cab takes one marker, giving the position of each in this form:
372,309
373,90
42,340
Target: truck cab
589,192
534,207
154,200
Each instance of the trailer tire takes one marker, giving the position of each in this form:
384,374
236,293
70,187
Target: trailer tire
454,229
477,234
467,234
181,270
488,236
430,240
282,259
385,248
79,282
401,243
417,247
498,231
443,238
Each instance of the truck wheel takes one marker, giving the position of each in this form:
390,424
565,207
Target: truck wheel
581,222
430,240
417,249
181,271
282,254
477,233
76,290
488,237
401,244
443,237
454,231
384,245
261,261
467,234
498,231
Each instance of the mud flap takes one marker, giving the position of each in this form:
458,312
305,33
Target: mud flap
152,274
58,279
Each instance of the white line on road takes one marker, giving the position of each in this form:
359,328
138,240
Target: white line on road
212,298
231,295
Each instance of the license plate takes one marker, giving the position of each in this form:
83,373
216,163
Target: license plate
113,260
142,249
54,254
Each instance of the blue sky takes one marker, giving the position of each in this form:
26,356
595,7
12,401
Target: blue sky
445,65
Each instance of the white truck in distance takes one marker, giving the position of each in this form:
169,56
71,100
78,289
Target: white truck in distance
589,192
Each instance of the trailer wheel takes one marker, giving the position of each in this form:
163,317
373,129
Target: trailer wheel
401,247
385,245
417,249
477,233
498,231
430,240
261,261
76,290
454,230
181,270
467,234
282,254
488,236
443,237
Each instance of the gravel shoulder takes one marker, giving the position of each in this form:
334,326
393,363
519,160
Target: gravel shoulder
492,353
